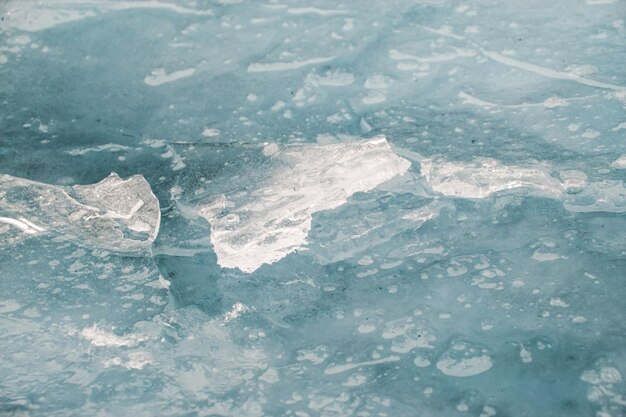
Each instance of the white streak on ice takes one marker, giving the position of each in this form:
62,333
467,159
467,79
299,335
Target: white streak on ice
548,72
159,76
337,369
314,10
286,66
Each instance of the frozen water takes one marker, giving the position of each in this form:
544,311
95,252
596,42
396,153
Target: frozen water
321,208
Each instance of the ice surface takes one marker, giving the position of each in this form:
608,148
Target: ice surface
471,263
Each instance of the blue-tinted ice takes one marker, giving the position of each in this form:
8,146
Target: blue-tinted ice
313,208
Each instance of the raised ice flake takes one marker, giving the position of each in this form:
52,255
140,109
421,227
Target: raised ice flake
114,214
274,220
485,176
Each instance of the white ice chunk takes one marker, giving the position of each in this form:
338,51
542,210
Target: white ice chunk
274,220
114,214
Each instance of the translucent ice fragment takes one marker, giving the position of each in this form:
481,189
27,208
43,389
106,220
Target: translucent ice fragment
274,220
114,214
485,176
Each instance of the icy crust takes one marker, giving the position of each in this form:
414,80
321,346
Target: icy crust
115,214
274,220
483,177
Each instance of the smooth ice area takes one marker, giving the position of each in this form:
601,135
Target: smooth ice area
372,208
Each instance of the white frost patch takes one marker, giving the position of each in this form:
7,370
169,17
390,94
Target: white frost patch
104,338
275,219
590,134
210,132
159,76
237,310
9,306
464,359
286,66
525,355
485,176
465,367
558,302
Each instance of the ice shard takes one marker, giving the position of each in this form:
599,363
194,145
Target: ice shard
114,214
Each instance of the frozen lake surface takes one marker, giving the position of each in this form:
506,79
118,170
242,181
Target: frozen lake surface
313,208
